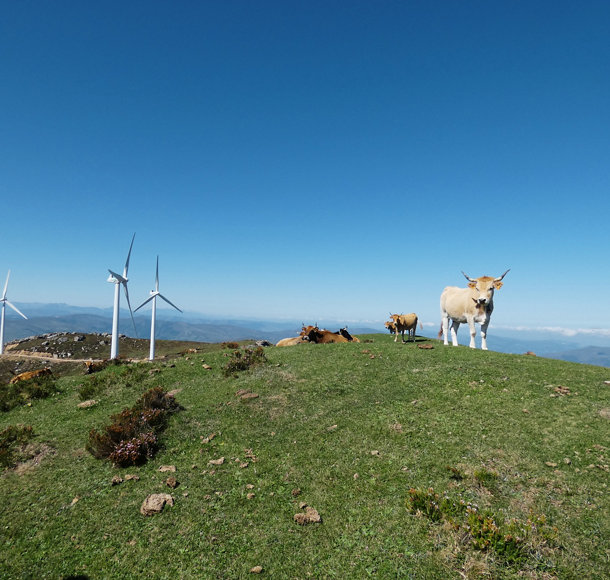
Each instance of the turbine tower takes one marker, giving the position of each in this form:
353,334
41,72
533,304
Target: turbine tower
5,301
119,280
153,296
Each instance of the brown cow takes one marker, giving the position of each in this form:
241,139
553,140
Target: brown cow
28,375
324,336
402,322
95,366
292,341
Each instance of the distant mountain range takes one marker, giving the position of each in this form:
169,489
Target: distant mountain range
191,326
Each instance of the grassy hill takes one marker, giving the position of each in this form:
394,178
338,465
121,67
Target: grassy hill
421,463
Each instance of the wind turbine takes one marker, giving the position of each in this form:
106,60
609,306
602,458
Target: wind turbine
153,296
120,280
5,301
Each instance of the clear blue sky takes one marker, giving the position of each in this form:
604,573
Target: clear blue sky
309,159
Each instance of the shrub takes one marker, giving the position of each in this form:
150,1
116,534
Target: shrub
486,531
24,392
132,436
243,360
11,439
231,345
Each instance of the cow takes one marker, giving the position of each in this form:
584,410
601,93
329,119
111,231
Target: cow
95,366
305,330
292,341
402,322
29,375
324,336
343,332
390,326
473,304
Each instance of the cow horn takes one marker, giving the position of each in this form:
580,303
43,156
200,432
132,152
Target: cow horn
500,278
467,277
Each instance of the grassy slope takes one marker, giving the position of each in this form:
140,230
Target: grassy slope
322,412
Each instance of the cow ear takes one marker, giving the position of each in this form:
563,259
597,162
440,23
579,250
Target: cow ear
498,285
472,284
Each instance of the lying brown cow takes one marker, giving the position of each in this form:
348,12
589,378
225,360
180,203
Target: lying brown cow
402,323
95,366
324,336
292,341
28,375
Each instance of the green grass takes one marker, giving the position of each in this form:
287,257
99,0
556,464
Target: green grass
348,429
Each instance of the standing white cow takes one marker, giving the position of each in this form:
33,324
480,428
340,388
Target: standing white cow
472,305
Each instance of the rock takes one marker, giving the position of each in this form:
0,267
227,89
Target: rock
247,396
256,570
117,479
87,404
206,366
155,503
172,482
219,461
132,477
164,468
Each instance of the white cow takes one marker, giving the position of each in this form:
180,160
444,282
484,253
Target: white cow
472,305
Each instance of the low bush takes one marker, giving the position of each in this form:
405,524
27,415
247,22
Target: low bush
513,540
243,360
11,440
25,392
132,436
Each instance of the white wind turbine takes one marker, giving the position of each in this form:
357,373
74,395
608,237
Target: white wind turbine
5,301
120,280
153,296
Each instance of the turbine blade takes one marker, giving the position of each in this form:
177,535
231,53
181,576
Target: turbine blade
6,285
157,276
15,309
166,300
145,302
128,256
130,310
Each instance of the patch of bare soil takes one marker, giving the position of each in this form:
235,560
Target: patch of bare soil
32,456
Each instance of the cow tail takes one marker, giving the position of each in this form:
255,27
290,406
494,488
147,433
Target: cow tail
440,332
421,326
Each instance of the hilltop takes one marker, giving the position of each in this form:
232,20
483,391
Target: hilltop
424,462
191,326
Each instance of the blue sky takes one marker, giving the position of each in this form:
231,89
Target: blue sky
309,160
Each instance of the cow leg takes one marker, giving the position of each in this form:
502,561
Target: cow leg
445,327
396,335
454,330
403,335
473,332
484,335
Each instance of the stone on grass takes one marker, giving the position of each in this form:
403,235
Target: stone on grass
155,503
165,468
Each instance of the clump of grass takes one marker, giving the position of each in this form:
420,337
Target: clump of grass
513,540
12,439
243,360
455,473
133,435
485,476
232,345
25,392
